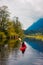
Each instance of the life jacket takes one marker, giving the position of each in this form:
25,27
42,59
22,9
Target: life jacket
23,47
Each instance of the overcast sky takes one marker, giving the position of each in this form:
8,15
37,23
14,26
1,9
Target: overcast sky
28,11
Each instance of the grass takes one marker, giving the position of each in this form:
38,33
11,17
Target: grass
37,37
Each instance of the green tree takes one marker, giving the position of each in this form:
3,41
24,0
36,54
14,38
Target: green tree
4,15
18,27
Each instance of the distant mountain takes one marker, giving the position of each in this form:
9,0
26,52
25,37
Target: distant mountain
35,27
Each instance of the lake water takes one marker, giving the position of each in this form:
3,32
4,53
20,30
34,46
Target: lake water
32,56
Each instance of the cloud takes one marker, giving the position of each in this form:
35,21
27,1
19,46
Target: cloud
28,11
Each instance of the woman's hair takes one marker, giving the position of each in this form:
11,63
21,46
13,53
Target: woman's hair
23,43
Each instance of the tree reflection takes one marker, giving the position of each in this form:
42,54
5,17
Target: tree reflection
3,52
7,47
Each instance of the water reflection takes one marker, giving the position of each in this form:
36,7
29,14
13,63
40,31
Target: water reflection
10,53
7,48
38,45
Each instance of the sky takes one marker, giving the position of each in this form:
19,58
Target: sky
28,11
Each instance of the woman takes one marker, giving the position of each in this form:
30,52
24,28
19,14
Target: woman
23,47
